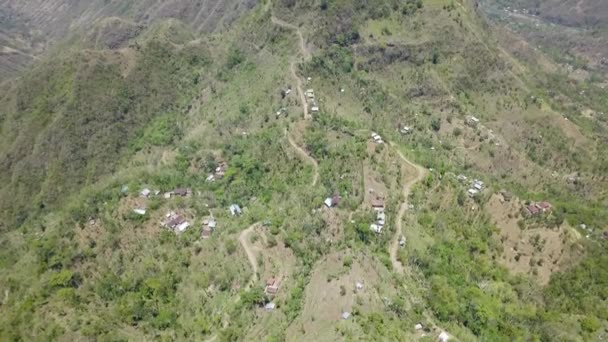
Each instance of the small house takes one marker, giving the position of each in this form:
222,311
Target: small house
182,192
473,192
532,210
345,315
175,222
269,306
272,286
380,218
537,208
315,109
359,285
545,207
220,170
462,178
310,93
235,210
472,121
145,192
333,201
405,130
208,228
378,203
418,326
375,228
139,211
377,138
210,178
182,226
444,337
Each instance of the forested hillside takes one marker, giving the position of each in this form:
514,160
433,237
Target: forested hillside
28,28
316,171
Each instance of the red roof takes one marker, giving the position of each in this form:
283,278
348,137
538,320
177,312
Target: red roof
378,202
335,200
272,289
176,221
533,209
544,205
272,286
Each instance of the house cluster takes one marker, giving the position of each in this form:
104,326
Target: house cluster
378,206
175,222
475,187
310,97
209,226
377,138
179,192
333,201
147,193
219,172
537,208
272,286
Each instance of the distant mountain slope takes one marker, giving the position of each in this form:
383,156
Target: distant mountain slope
28,27
575,13
69,119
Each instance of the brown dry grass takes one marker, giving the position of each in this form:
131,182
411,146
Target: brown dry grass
556,254
324,302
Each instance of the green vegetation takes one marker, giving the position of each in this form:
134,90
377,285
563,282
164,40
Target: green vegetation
88,128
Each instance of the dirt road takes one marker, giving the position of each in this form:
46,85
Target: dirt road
407,187
244,240
292,66
306,157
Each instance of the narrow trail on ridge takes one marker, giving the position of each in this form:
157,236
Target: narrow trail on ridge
306,55
305,156
293,65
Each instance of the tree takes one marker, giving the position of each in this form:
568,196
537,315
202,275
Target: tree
255,296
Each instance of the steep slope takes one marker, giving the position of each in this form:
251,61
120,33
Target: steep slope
69,120
30,27
127,107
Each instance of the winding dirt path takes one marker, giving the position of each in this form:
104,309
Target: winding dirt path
244,240
306,157
420,174
306,55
